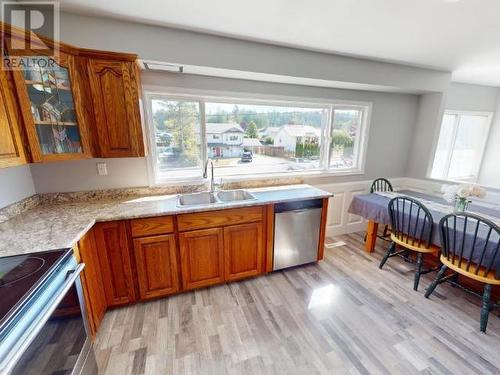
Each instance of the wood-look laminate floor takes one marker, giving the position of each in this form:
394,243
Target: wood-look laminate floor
340,316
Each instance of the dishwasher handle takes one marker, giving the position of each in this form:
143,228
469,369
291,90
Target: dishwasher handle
298,206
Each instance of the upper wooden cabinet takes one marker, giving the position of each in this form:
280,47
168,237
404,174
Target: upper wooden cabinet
85,104
51,105
115,96
11,146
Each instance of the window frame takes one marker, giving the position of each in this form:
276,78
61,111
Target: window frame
459,113
239,98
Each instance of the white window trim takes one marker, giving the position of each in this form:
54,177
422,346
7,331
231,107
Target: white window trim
149,93
474,178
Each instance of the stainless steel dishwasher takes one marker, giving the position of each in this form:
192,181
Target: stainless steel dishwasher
296,233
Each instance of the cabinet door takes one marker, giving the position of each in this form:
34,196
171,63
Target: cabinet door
93,286
202,257
243,251
156,266
52,109
116,108
11,146
114,258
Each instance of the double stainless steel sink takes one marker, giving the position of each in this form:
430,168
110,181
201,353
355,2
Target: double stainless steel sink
207,197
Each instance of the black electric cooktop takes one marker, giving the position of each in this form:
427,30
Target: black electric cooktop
21,275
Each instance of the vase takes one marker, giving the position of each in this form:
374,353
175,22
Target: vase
461,204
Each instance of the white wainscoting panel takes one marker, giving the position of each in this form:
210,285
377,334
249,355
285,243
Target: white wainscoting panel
340,221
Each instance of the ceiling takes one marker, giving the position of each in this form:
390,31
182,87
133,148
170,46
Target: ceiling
461,36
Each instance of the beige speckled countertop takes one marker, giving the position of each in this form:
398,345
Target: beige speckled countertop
60,225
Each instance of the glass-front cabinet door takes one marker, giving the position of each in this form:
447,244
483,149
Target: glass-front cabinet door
52,109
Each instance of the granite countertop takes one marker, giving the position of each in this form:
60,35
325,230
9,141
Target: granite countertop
60,225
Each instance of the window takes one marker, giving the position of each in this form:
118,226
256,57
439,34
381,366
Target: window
248,138
345,138
461,145
176,129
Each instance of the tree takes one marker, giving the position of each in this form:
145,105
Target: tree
252,130
236,114
180,122
268,141
342,138
299,150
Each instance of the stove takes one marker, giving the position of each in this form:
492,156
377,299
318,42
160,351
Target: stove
21,275
42,312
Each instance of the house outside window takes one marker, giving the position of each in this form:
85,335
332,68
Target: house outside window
461,145
285,137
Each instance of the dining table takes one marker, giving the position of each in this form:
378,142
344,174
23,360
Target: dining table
374,208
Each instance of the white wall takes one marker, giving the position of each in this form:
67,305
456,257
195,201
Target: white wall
425,133
459,96
466,97
490,169
191,48
82,175
15,184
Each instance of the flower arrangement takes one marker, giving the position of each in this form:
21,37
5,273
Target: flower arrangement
460,194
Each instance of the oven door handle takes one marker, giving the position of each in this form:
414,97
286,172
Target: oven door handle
71,277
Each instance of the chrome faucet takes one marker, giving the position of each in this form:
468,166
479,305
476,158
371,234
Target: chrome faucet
212,182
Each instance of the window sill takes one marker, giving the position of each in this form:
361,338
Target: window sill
257,177
459,182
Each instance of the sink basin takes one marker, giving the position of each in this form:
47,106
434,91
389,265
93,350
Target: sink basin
196,199
234,195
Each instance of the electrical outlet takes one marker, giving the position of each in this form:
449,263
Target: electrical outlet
102,169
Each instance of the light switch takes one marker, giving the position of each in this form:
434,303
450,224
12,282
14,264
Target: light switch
102,169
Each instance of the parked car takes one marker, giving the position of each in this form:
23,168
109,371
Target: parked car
246,157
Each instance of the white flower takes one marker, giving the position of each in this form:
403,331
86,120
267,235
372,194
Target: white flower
464,191
452,192
449,192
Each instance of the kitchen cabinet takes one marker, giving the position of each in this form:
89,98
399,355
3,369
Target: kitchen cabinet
115,264
93,287
51,106
156,263
115,95
221,218
84,104
243,251
11,145
231,248
202,257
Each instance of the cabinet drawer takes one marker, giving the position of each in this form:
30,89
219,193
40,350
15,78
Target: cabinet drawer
211,219
151,226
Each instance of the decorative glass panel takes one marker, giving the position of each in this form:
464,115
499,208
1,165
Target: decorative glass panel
53,109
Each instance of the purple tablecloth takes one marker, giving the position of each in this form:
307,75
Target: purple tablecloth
374,207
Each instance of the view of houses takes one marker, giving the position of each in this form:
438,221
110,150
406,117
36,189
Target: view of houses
279,139
230,140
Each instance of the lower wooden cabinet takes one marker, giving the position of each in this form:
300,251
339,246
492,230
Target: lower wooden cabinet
95,298
156,263
114,258
243,251
202,257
